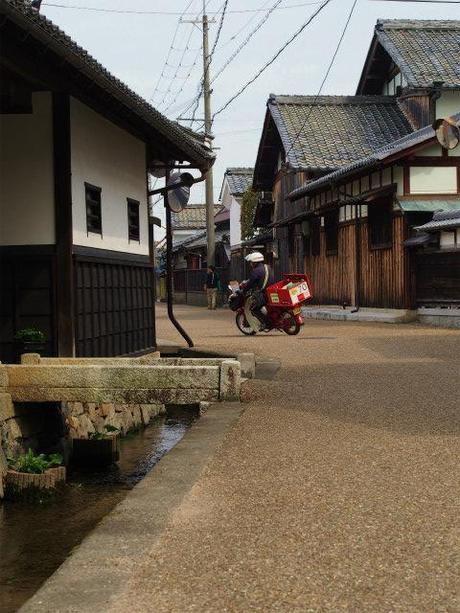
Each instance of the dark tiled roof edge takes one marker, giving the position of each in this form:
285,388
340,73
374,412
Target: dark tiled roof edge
398,146
35,22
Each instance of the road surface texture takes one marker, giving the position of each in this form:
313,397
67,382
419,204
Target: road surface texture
336,490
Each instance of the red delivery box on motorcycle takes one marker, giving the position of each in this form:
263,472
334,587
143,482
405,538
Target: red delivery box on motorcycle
292,291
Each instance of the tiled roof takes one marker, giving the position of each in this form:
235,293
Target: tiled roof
424,51
42,28
239,180
200,240
335,130
443,220
399,146
193,217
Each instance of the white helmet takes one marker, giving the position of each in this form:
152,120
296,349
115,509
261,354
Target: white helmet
255,256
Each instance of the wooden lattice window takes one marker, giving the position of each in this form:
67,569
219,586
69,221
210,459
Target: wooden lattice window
380,220
133,220
93,209
331,228
315,235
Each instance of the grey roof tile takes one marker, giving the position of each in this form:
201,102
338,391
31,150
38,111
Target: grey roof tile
442,220
328,132
424,50
398,146
239,180
193,217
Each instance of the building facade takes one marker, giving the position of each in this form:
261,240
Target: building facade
76,248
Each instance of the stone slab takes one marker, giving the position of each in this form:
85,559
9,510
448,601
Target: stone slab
6,407
118,396
390,316
442,318
116,377
248,365
230,380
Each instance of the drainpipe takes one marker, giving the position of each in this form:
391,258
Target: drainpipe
357,260
186,180
169,271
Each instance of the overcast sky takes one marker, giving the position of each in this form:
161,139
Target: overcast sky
134,47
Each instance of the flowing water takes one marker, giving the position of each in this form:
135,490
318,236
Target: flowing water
36,538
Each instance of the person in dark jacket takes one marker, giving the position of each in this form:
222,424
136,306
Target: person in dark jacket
211,286
260,277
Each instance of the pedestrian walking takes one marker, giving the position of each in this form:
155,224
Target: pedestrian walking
211,286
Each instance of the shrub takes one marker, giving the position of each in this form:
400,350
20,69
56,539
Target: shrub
33,335
35,464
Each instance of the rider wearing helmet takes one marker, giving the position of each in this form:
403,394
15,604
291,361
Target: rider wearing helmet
260,277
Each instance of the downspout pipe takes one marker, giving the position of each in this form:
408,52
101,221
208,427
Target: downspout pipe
189,181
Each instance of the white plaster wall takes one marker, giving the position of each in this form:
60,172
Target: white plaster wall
110,158
448,104
235,222
27,175
431,151
433,180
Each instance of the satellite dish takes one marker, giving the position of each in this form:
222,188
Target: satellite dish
178,198
447,132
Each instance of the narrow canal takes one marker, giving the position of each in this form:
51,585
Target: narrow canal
36,539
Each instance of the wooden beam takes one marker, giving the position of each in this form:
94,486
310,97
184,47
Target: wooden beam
64,229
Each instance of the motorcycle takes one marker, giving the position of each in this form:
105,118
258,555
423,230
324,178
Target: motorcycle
282,310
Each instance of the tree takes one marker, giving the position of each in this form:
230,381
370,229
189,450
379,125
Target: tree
247,212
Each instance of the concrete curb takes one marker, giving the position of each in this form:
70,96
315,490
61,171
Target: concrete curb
99,569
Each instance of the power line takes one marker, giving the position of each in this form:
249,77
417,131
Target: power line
238,32
171,13
273,59
179,65
246,40
196,101
423,1
331,63
169,52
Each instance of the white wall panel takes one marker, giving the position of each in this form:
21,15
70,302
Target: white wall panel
433,180
110,158
27,176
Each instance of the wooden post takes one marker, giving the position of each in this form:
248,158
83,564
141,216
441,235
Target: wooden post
65,320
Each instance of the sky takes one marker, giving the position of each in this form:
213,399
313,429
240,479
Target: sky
135,46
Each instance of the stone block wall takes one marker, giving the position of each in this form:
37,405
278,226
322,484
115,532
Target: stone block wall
85,418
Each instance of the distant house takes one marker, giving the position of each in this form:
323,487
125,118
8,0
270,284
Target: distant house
351,176
236,181
187,226
76,250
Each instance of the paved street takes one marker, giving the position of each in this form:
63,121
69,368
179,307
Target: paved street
336,490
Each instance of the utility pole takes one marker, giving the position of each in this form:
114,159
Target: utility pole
210,231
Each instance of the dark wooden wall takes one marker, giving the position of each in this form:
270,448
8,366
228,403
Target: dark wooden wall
437,278
114,308
384,272
27,295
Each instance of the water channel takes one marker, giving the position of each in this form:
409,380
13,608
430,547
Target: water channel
36,539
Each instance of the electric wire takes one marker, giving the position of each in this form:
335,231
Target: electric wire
171,13
329,68
273,59
169,52
246,40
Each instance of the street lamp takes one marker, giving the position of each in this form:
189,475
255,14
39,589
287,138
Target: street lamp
447,132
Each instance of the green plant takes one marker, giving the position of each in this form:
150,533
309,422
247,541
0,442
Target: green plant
97,436
35,464
31,335
247,212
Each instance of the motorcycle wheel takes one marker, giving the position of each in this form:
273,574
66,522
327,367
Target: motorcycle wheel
243,325
290,324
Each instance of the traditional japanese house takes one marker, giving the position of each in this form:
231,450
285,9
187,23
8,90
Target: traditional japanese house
76,253
236,181
188,225
350,176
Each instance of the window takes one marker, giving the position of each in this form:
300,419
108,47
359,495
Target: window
93,209
133,220
380,223
331,227
315,236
